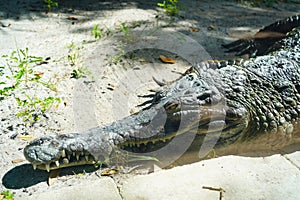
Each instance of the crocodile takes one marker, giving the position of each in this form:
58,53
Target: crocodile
238,105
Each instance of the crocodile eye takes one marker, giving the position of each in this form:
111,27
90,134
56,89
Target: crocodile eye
190,77
204,96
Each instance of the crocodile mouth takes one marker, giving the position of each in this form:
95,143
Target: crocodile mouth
50,153
67,159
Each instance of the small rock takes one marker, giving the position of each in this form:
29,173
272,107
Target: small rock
11,128
13,136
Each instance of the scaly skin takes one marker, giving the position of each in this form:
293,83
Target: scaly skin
256,101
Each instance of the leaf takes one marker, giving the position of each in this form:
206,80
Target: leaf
19,74
72,18
19,102
18,160
166,60
29,137
193,30
109,172
40,74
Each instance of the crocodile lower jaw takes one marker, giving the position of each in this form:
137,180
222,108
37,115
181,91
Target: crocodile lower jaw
67,160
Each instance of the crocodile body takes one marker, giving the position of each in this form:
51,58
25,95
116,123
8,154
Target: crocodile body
256,101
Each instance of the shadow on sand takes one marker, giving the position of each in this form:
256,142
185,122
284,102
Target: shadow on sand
24,176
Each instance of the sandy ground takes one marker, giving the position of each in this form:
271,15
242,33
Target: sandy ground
117,67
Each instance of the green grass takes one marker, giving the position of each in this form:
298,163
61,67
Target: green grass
170,6
50,4
6,195
97,32
20,80
33,108
125,29
75,61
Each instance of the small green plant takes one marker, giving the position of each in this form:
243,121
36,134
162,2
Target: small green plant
21,75
50,4
77,73
21,66
114,59
73,55
97,32
7,195
125,29
34,107
74,58
170,6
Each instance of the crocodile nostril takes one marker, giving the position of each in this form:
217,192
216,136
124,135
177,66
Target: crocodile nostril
190,77
54,143
196,84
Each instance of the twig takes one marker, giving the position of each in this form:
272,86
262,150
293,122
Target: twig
220,190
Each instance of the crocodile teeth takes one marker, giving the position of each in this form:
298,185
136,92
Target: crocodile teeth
86,157
77,156
65,161
73,154
69,156
63,153
47,167
57,163
34,166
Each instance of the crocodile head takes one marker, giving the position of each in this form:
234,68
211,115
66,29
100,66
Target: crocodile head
65,150
192,104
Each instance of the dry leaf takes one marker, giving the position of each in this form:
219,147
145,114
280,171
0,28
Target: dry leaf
26,137
166,60
109,172
72,18
18,160
39,74
193,30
